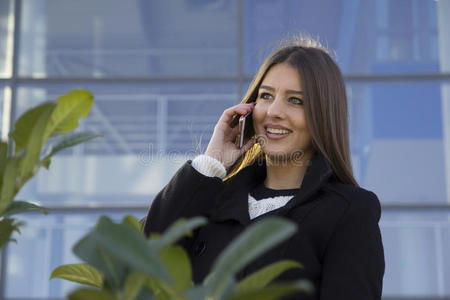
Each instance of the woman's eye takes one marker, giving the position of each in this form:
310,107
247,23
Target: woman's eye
296,101
265,96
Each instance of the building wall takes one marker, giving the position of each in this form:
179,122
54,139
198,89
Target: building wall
163,71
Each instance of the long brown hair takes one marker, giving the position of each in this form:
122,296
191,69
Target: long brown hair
325,108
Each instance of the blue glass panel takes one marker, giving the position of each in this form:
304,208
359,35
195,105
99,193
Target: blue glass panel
368,36
6,37
406,110
416,246
45,243
397,140
149,131
130,38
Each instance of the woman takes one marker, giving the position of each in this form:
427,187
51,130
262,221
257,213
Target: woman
295,164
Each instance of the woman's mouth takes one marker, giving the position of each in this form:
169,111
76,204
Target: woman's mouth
276,133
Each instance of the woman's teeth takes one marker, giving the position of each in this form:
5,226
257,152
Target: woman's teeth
277,131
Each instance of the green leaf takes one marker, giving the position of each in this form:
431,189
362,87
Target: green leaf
21,206
116,270
83,294
179,229
26,123
157,289
7,228
3,157
70,108
3,152
81,273
154,235
255,240
34,143
124,244
196,293
130,246
67,141
145,294
9,183
113,271
275,291
133,284
132,221
178,264
264,276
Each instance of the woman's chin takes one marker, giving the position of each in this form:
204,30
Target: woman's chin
277,155
288,157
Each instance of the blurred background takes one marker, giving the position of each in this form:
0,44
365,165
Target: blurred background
162,72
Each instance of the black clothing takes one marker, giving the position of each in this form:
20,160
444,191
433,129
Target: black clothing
338,239
261,192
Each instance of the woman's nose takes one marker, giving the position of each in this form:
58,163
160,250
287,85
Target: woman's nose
276,109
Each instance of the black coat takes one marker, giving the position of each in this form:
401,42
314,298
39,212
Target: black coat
338,239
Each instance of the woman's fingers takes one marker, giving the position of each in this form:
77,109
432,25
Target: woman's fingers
247,145
234,131
240,109
233,134
222,143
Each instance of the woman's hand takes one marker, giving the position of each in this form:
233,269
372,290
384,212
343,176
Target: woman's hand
222,144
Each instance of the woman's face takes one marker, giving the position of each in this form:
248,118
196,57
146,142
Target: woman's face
279,116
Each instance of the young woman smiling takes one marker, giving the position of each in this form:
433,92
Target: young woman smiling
295,164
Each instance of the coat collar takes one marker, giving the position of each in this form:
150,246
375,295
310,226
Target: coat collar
233,202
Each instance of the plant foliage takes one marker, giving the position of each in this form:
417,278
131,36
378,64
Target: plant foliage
33,131
134,267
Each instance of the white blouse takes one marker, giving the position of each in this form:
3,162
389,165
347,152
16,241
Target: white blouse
211,167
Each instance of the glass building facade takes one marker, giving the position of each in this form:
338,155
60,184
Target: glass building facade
162,72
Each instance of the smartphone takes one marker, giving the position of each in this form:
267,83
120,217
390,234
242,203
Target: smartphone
242,122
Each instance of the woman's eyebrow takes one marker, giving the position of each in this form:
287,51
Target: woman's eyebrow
294,92
266,87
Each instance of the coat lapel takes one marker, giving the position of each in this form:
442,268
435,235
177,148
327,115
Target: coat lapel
232,204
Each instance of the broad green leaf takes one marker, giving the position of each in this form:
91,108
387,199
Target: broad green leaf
255,240
145,294
26,123
21,206
7,227
162,290
45,162
89,251
179,229
264,276
128,246
83,294
133,284
34,143
81,273
157,289
3,152
154,235
3,157
67,141
132,221
9,183
115,270
275,291
70,108
196,293
177,262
